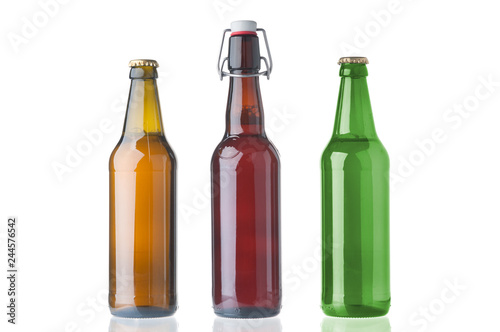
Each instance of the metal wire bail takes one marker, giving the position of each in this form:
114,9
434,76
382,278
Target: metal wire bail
269,64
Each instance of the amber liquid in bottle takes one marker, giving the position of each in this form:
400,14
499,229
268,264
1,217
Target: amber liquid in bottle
142,208
245,172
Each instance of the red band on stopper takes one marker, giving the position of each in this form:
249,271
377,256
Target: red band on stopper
237,33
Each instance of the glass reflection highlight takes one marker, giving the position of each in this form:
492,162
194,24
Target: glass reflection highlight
247,325
168,324
380,324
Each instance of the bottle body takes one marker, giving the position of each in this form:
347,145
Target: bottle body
142,212
355,200
355,181
246,228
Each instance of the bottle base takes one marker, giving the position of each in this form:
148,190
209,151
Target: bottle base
142,312
247,313
356,311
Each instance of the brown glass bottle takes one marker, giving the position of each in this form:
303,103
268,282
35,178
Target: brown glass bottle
142,168
245,171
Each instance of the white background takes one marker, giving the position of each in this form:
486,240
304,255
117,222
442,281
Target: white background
428,59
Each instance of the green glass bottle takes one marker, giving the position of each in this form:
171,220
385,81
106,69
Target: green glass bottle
355,190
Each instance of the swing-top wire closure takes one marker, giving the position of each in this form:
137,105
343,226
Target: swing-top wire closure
269,65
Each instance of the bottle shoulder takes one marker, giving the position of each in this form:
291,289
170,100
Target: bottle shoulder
352,152
244,146
149,152
354,145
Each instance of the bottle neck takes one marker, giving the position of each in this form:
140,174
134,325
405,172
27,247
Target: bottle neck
245,114
354,117
143,110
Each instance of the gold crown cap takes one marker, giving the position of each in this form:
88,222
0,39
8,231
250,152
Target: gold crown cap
353,59
143,63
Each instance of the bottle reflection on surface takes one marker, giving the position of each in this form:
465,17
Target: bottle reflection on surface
143,325
247,325
331,324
